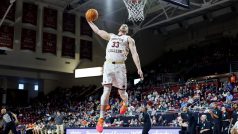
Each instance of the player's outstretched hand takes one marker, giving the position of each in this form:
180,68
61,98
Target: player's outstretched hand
141,74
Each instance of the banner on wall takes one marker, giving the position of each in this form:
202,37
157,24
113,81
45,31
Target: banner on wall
3,8
85,49
68,47
49,43
50,18
28,39
69,22
6,37
85,29
29,13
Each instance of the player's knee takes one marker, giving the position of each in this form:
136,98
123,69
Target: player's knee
105,97
122,92
106,91
107,86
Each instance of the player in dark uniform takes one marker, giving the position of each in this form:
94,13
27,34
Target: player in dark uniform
205,126
216,115
234,114
9,120
225,121
188,117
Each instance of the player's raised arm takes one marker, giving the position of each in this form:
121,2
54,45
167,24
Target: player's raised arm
135,56
105,35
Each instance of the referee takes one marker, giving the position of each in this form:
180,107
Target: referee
9,120
147,121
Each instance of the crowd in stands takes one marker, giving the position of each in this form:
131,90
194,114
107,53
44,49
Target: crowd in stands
164,104
195,61
80,105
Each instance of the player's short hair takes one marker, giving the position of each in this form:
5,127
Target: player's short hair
3,111
124,25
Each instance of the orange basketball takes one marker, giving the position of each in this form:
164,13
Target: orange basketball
91,15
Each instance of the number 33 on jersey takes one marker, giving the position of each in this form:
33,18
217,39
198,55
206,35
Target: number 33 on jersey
117,48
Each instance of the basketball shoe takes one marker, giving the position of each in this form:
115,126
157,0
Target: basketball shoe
99,126
108,107
123,108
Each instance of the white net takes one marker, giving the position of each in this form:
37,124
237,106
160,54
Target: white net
135,9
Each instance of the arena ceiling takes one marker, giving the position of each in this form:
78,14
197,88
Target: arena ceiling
112,13
159,16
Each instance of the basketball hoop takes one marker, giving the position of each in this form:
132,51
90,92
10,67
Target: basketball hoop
135,9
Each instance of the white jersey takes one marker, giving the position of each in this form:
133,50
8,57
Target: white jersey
7,118
117,48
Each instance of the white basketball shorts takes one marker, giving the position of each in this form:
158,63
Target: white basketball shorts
115,74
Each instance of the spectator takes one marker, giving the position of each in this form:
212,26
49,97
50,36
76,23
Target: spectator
229,97
59,123
190,100
154,121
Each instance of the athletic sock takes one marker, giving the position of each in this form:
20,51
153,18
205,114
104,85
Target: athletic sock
102,113
124,96
104,100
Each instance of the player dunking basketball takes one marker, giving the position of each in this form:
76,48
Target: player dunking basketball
114,72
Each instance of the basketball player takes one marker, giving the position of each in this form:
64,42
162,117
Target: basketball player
205,126
189,119
114,72
216,114
9,120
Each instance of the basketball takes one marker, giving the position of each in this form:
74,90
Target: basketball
91,15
